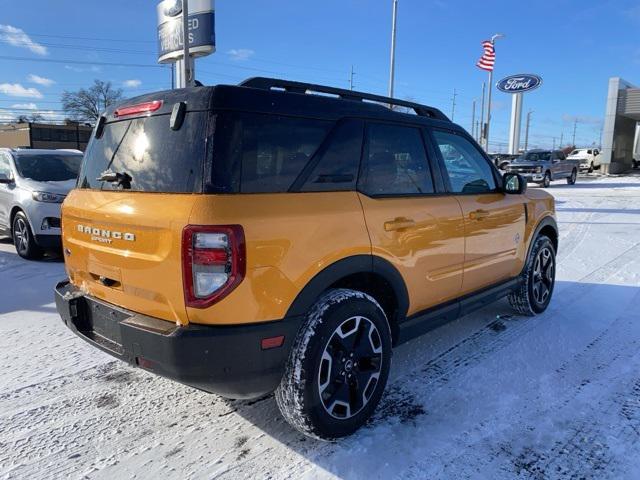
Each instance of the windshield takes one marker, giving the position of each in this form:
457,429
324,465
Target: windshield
147,155
538,156
49,168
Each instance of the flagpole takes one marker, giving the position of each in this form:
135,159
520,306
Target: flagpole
486,134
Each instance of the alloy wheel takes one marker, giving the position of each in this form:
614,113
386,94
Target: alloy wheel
21,235
543,276
350,367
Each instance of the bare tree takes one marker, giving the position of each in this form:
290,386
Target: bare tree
32,118
87,104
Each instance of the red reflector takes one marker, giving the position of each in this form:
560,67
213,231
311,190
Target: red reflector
144,363
212,256
272,342
139,108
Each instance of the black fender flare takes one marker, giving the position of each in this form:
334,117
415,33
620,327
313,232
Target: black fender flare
344,268
547,221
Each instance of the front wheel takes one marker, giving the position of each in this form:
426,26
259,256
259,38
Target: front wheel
23,238
547,180
537,280
590,168
571,180
338,366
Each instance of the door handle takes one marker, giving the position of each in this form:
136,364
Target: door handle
478,214
398,224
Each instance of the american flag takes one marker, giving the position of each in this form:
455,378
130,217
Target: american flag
488,58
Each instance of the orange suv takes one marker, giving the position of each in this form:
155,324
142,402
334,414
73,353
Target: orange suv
282,236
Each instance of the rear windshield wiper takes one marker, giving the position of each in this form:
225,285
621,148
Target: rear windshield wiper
121,179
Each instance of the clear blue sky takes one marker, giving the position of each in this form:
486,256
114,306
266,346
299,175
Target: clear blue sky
574,45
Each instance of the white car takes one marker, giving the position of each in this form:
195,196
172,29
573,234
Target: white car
588,157
33,184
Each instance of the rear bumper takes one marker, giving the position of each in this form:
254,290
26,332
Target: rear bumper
226,360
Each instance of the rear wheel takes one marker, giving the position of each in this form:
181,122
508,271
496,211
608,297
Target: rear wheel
338,367
23,238
571,180
537,279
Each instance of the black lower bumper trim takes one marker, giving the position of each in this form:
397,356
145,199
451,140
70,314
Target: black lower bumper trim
227,360
49,242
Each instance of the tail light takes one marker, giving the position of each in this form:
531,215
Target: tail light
213,263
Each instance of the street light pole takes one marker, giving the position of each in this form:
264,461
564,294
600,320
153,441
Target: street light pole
486,133
392,69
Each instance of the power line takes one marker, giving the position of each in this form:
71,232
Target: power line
79,62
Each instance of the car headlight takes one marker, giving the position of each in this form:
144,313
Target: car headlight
538,169
48,197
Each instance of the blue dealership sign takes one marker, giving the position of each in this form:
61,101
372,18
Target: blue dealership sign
201,29
524,82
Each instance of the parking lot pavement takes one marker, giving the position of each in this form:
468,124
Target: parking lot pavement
491,395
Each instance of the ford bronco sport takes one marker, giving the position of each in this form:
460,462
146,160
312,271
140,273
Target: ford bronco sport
281,236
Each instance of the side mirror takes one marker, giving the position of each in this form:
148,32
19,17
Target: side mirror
4,180
514,184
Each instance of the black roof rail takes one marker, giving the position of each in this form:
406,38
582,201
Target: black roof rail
265,83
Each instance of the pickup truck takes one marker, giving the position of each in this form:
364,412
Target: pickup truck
544,166
588,158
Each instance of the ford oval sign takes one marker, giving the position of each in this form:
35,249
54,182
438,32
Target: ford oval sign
524,82
173,9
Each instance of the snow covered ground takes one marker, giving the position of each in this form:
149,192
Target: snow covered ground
488,396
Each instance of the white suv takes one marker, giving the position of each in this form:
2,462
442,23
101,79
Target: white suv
33,184
588,157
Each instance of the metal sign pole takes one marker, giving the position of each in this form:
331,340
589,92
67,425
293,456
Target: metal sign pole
188,74
516,122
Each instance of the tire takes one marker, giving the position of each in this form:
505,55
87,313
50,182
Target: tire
537,279
23,238
547,180
590,168
571,180
324,368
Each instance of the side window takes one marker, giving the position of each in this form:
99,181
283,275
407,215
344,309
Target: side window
468,170
5,168
336,165
589,152
396,162
257,153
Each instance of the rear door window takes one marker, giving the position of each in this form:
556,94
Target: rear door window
395,162
157,158
260,153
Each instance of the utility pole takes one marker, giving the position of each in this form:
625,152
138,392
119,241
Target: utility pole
473,119
600,143
526,132
561,139
575,126
487,128
554,143
392,69
453,104
351,78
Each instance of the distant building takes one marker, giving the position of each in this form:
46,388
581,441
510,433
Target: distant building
45,135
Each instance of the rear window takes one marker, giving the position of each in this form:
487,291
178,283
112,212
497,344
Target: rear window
155,157
48,168
258,153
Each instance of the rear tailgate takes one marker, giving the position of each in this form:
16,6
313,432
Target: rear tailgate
126,249
122,226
